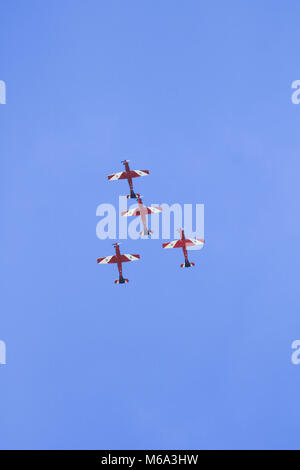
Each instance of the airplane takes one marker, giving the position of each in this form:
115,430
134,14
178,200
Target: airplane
128,174
185,244
142,211
119,259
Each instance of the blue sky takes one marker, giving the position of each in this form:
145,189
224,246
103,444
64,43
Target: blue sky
199,93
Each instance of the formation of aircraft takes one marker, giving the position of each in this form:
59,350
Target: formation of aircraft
142,211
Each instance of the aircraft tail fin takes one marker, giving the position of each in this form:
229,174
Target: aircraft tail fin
132,195
146,232
121,280
187,264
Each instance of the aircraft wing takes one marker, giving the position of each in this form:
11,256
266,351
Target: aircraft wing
123,175
194,243
136,173
117,176
125,258
131,212
107,259
153,210
173,244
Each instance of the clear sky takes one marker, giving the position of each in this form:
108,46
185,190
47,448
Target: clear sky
199,93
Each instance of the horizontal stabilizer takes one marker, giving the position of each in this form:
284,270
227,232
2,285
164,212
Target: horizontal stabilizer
146,232
187,265
132,195
121,281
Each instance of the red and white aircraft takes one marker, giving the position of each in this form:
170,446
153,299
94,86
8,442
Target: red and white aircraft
185,244
119,259
128,174
142,211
